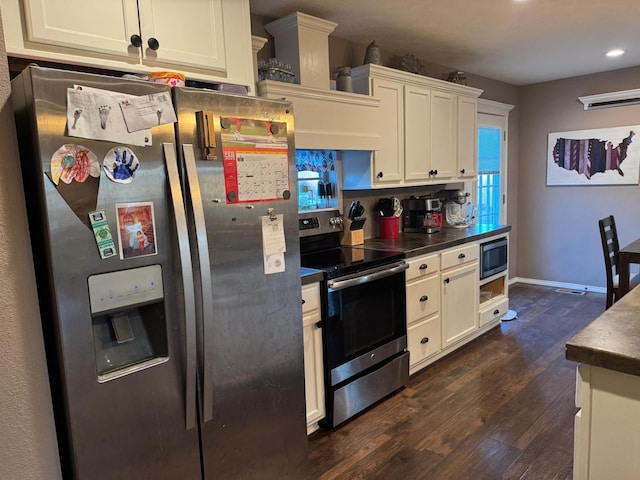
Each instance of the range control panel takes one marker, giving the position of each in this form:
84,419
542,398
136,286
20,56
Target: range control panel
319,222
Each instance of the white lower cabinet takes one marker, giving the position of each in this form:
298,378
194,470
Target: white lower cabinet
424,339
607,426
459,293
443,303
313,358
423,308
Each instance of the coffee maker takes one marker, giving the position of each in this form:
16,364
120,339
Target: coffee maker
421,215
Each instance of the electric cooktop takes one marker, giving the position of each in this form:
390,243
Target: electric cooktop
345,260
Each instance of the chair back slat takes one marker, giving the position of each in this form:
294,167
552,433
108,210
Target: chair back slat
610,249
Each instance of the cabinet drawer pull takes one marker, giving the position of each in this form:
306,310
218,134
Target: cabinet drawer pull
461,256
424,298
462,171
424,266
424,340
447,280
496,311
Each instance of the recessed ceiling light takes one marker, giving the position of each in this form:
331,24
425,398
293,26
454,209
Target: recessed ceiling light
614,53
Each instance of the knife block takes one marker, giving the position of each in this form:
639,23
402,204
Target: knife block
352,237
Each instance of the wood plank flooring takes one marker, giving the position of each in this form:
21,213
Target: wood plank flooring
502,407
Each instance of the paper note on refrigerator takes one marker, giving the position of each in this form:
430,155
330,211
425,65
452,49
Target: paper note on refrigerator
147,111
95,113
273,244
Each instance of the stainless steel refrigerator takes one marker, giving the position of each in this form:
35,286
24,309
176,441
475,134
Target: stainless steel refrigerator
168,270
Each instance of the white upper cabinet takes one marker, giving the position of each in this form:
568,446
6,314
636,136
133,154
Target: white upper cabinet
428,131
443,135
104,26
467,138
202,42
204,39
388,160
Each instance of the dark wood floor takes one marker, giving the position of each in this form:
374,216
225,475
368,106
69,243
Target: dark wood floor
500,408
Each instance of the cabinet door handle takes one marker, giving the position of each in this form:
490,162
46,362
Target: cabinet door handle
447,280
136,40
153,43
303,301
380,175
496,311
424,266
319,324
424,340
461,256
435,172
462,171
424,298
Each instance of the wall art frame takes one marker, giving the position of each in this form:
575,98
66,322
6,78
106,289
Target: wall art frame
604,156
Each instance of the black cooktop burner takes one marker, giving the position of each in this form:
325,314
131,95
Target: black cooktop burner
344,260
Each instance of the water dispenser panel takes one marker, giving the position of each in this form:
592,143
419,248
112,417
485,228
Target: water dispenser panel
124,288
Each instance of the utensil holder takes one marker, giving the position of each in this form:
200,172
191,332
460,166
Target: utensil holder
389,227
352,237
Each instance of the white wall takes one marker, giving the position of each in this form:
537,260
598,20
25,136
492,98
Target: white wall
28,448
558,237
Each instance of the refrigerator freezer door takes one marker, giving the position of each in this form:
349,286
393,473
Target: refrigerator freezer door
130,426
254,334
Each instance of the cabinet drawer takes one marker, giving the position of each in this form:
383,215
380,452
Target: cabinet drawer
310,297
495,310
423,298
424,339
459,256
423,266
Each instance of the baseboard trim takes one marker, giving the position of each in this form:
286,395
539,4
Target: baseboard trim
547,283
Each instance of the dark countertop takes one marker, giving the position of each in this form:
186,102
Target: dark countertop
309,275
613,339
416,244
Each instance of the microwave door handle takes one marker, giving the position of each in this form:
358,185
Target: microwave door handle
205,279
366,277
187,284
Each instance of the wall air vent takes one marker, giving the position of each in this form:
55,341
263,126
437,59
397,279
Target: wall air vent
613,99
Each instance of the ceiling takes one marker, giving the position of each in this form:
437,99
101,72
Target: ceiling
515,41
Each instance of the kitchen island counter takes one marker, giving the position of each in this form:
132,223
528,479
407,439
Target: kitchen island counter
416,244
612,340
607,424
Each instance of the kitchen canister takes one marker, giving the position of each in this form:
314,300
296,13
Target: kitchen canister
389,227
343,79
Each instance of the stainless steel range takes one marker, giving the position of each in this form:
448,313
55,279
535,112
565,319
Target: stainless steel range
364,317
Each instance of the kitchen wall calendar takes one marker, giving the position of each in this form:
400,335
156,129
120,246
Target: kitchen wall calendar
255,160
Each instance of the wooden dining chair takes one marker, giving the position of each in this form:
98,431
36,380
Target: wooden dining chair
611,249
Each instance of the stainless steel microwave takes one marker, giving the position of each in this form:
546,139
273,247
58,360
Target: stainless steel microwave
493,257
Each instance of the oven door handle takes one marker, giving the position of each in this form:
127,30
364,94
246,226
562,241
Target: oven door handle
367,277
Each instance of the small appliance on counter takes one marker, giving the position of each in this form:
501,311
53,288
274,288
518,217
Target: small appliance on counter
458,212
421,215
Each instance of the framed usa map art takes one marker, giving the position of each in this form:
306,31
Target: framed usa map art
606,156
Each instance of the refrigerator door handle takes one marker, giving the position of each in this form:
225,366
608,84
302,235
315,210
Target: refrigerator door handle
187,283
205,279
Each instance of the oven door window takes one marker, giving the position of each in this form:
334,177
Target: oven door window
364,317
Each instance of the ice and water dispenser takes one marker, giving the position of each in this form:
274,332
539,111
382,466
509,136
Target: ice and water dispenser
128,320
